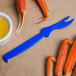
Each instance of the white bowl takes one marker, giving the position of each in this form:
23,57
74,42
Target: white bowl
5,40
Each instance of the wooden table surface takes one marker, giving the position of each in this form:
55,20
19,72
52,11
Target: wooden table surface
32,62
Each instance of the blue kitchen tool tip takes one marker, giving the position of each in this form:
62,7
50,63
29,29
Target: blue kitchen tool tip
45,32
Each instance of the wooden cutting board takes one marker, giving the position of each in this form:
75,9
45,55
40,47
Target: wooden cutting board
33,61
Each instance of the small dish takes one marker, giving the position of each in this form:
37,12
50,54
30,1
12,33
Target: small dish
5,39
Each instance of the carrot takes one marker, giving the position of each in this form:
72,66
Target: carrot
61,57
44,8
70,61
21,5
49,65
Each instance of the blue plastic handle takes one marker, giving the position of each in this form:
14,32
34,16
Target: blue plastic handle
23,47
45,32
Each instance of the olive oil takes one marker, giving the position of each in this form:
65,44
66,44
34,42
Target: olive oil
3,28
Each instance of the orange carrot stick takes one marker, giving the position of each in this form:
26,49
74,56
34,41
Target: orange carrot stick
21,5
75,71
49,65
70,61
61,57
44,8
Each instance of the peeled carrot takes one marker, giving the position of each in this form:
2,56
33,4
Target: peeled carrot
44,8
61,57
21,5
49,65
71,59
